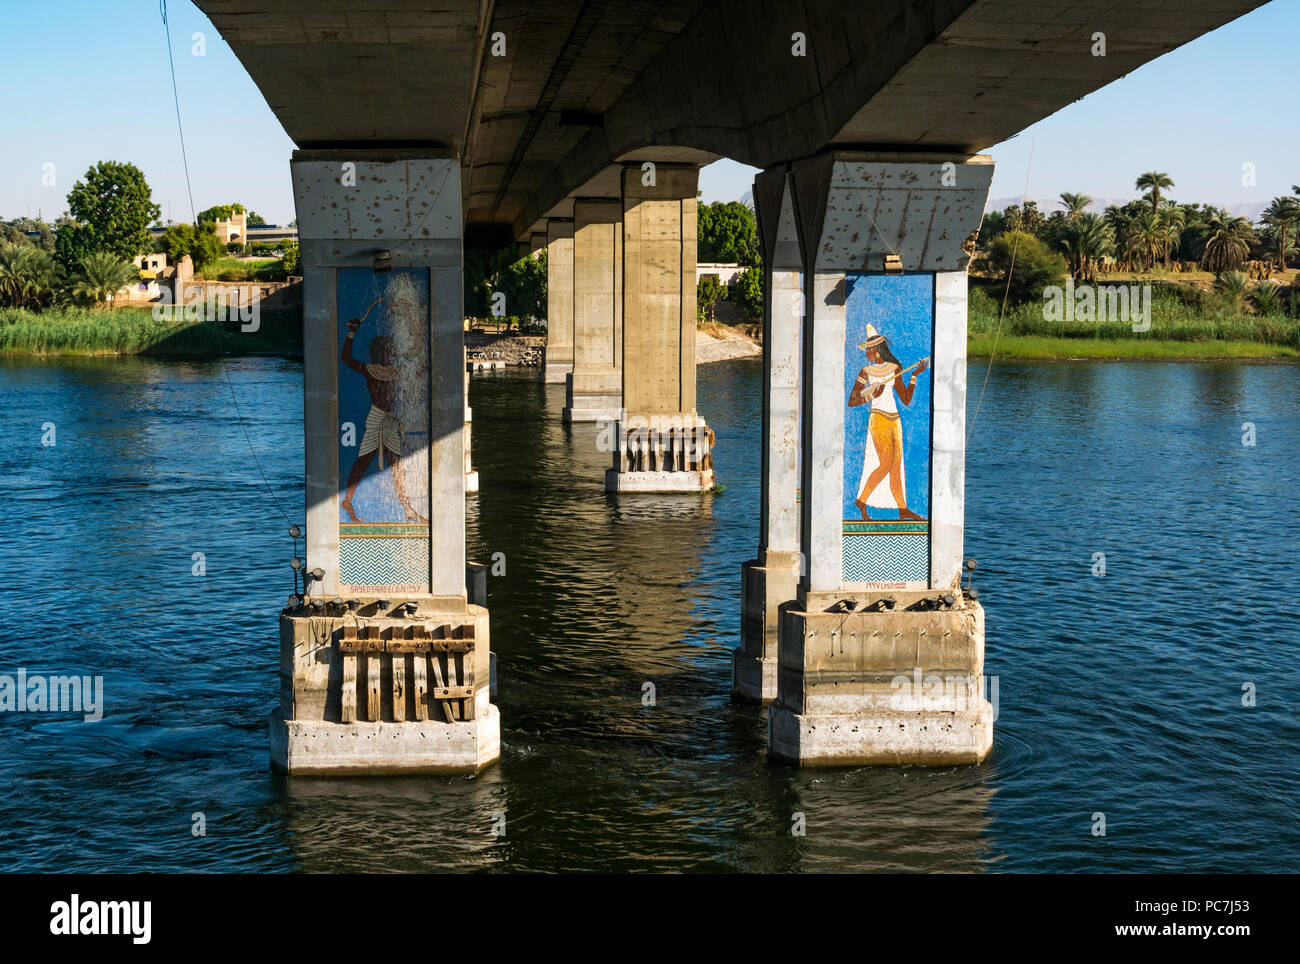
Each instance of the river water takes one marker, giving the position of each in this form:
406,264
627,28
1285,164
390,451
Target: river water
1119,694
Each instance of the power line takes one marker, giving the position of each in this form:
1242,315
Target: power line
1015,244
176,99
171,61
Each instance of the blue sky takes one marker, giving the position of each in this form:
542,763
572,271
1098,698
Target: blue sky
87,80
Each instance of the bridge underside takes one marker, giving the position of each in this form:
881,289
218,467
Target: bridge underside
538,99
579,128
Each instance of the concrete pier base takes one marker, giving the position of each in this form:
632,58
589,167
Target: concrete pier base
375,691
553,373
315,748
881,687
661,454
885,737
593,397
764,587
616,481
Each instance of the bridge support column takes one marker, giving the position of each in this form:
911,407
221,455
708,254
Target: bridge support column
881,654
772,578
385,665
661,443
557,359
595,386
471,474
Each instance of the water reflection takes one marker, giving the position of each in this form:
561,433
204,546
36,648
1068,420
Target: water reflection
1120,694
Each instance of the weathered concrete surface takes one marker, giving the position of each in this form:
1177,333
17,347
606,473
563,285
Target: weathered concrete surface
349,206
471,475
773,577
664,445
594,389
654,481
900,687
569,88
309,734
659,245
764,587
306,748
854,209
557,359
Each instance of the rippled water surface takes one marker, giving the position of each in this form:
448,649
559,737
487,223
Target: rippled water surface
1119,694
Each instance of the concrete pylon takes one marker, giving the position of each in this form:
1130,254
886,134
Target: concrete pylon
772,578
881,653
661,443
557,359
594,389
385,664
471,474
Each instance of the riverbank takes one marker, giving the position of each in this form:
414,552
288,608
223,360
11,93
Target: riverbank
1181,325
133,331
714,343
1178,333
1043,348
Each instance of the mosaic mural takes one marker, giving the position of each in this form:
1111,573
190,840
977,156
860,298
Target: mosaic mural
383,395
888,343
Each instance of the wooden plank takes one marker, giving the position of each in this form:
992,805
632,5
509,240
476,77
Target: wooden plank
349,706
399,688
372,688
453,692
451,645
441,681
467,680
420,684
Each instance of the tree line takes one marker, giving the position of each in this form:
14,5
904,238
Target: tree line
86,256
1150,233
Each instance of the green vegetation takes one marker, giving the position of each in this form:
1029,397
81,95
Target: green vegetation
223,212
504,288
1042,348
727,233
111,211
1185,323
201,244
232,269
133,331
708,292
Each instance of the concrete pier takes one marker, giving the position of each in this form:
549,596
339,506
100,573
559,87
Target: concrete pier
772,577
385,664
471,474
557,360
881,655
662,444
594,389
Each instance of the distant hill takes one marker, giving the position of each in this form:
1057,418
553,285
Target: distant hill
1250,209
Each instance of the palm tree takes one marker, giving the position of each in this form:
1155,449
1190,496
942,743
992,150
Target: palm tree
1155,182
1228,244
26,274
1146,238
1172,220
103,275
1267,296
1283,216
1085,242
1233,285
1074,204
